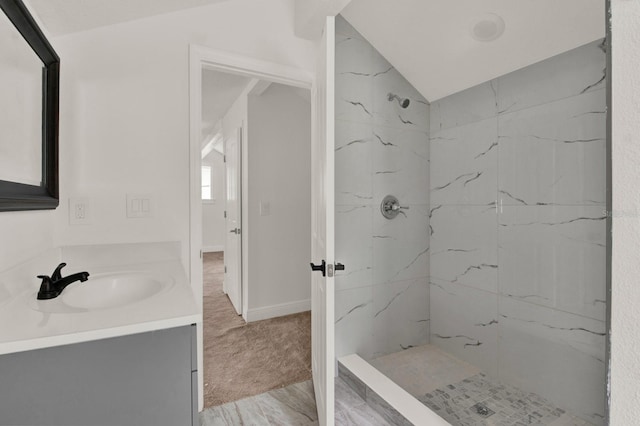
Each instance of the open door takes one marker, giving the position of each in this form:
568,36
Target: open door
322,229
233,224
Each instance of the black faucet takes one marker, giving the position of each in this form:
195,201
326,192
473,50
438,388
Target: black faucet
52,286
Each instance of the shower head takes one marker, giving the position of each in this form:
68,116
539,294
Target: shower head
403,102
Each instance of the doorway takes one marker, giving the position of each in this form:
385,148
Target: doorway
265,329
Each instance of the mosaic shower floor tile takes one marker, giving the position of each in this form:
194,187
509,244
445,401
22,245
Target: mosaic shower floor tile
479,401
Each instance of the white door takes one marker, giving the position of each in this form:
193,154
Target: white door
322,229
233,245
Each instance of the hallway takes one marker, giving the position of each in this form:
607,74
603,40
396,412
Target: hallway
245,359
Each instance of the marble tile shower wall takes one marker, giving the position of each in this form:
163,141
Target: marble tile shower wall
517,228
382,299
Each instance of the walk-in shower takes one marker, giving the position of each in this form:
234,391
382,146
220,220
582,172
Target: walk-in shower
485,299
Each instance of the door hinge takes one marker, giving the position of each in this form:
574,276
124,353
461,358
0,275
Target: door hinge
200,254
224,158
225,269
225,214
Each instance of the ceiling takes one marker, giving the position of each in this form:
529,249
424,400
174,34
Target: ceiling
69,16
219,92
430,42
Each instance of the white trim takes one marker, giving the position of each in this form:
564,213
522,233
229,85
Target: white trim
260,87
406,404
280,310
211,249
219,60
202,57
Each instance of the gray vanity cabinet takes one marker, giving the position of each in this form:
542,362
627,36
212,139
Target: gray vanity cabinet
135,380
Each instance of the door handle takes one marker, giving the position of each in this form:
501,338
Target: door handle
235,231
321,267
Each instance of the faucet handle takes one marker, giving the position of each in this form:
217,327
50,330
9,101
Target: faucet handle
46,288
57,275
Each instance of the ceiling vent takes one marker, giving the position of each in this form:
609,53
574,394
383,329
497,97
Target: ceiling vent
487,27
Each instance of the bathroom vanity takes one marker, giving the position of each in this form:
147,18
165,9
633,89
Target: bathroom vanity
141,379
118,349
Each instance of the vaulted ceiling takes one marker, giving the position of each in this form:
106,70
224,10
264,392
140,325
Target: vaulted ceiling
431,41
219,91
69,16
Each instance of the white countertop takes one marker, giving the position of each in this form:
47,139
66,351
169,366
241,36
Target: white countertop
23,326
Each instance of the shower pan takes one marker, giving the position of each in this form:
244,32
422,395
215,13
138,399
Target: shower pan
484,299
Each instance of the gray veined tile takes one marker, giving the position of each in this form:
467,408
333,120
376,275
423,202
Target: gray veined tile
554,153
362,415
353,79
401,245
354,246
464,164
474,104
352,381
571,73
345,397
290,405
388,81
464,323
400,165
401,317
555,354
306,387
354,322
464,246
385,409
243,412
554,256
213,417
353,163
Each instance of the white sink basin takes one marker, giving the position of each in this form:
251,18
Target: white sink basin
113,290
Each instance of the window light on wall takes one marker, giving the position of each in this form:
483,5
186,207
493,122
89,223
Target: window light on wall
207,192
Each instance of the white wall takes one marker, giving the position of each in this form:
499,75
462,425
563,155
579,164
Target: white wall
213,211
124,111
625,333
25,234
279,145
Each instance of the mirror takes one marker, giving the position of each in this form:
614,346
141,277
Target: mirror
29,84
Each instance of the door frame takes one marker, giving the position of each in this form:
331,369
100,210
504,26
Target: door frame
201,57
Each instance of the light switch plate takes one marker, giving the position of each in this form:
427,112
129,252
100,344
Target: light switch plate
79,211
139,205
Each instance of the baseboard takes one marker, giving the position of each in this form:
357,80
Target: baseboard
274,311
209,249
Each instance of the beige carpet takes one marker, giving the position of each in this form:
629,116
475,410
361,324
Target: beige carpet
241,359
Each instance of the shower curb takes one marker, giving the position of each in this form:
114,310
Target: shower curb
396,405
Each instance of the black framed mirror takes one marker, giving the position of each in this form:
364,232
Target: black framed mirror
29,98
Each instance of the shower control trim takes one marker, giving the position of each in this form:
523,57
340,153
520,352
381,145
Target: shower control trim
390,207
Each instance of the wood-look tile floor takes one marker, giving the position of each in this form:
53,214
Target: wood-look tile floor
290,406
245,359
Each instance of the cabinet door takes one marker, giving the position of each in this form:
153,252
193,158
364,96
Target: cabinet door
142,379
